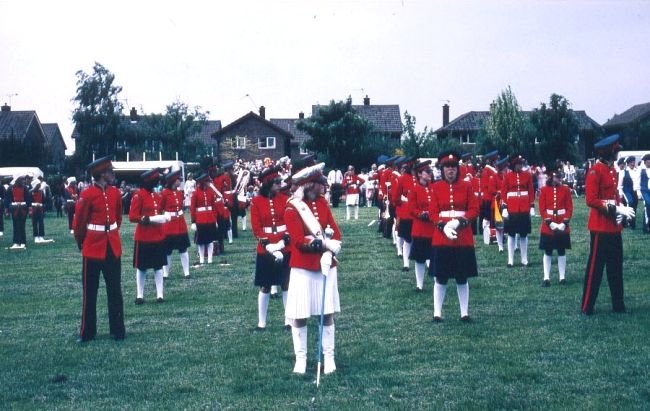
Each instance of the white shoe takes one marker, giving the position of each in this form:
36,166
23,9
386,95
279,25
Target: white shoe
49,240
22,246
37,240
329,366
1,233
15,247
71,231
301,366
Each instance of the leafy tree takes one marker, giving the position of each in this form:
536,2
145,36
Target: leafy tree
341,137
97,113
556,129
424,143
505,129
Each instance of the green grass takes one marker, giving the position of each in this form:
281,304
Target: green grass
527,348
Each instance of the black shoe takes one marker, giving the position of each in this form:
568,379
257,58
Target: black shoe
160,300
405,269
260,329
81,340
546,283
562,282
588,313
287,327
510,265
524,265
500,251
139,301
437,319
466,319
418,290
274,295
117,337
619,310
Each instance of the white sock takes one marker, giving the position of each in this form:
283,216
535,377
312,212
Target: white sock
517,238
262,308
185,263
561,265
210,250
419,275
395,236
230,236
486,232
328,348
166,267
500,239
158,276
139,283
511,250
299,336
523,249
463,298
243,223
201,248
356,212
439,291
285,295
399,244
546,262
406,252
347,212
274,289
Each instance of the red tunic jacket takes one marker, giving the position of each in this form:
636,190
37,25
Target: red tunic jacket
419,201
404,184
300,257
97,209
203,206
600,190
351,183
490,183
267,219
171,203
517,192
146,204
556,205
449,201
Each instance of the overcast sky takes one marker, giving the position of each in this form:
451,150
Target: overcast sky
288,55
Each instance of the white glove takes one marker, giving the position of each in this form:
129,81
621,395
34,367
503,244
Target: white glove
625,211
532,211
159,219
454,223
561,227
193,226
404,199
554,226
326,262
619,219
505,214
278,256
273,247
449,232
328,232
333,245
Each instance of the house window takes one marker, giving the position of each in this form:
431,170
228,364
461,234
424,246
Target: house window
266,142
239,142
467,139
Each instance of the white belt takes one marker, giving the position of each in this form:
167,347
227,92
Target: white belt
477,194
561,211
613,202
174,213
19,203
278,229
97,227
517,194
37,204
451,213
204,209
69,201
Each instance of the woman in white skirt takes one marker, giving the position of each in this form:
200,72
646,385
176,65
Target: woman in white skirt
315,239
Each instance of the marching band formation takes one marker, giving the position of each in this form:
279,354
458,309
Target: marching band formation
431,214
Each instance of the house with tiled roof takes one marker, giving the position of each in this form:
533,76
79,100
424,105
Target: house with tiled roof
253,137
55,146
466,128
22,139
300,137
634,126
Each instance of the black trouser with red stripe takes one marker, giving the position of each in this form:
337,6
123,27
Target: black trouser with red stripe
38,225
111,267
19,217
606,251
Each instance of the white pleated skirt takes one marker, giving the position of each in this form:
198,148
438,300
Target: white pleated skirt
306,293
352,199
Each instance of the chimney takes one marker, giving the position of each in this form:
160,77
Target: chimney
301,115
263,112
133,114
6,108
366,101
445,114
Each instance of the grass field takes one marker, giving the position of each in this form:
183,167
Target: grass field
527,348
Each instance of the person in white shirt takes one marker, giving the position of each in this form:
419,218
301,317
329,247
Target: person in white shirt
629,184
570,177
188,189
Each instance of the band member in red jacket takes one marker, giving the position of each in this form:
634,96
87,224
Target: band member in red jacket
176,237
489,191
399,192
37,211
556,210
270,230
204,213
315,239
419,199
517,199
453,206
606,218
19,200
149,245
351,184
71,195
96,226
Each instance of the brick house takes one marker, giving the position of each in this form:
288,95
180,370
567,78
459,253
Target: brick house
22,139
252,137
633,125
